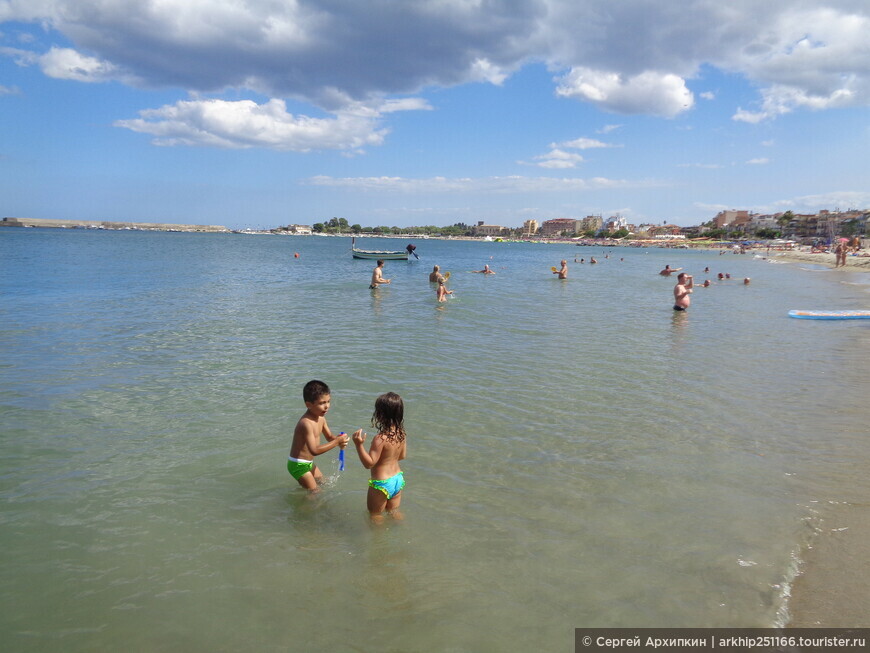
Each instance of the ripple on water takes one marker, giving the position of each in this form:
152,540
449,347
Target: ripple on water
565,440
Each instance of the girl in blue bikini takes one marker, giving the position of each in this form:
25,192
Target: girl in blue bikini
388,448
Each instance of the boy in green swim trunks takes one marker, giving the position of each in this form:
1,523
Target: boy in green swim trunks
306,437
388,448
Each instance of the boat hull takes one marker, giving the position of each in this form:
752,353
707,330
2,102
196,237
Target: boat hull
384,256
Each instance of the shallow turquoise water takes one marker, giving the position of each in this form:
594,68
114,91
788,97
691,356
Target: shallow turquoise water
579,455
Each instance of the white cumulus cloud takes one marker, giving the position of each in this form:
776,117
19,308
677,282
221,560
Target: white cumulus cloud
835,200
704,166
484,71
585,144
245,124
811,57
631,56
608,128
66,63
779,99
662,94
510,184
556,158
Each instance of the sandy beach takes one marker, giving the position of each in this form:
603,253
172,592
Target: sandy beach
828,260
832,590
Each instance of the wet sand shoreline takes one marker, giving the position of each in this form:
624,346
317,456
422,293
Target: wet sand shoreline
853,263
832,588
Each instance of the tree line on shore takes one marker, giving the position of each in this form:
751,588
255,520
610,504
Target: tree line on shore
706,230
342,226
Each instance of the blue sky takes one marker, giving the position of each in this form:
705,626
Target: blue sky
265,112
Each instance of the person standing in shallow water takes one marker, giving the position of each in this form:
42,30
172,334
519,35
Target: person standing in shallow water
388,447
441,293
378,275
306,436
682,291
435,275
563,272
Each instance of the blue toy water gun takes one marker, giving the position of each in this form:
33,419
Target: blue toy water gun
341,457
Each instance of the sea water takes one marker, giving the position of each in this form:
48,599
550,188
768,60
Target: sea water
579,454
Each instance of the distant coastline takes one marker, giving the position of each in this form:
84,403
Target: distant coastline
110,224
777,252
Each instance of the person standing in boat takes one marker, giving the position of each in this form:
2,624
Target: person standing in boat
378,276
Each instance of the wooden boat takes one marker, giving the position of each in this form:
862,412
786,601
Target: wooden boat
384,255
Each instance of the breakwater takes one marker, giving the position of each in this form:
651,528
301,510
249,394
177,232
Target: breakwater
108,224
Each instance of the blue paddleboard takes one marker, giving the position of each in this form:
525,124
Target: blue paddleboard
830,315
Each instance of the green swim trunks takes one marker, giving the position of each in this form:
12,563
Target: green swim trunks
298,467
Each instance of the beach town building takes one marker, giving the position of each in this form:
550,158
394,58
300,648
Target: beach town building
766,221
831,223
742,221
803,225
615,223
730,218
481,229
530,227
643,229
694,231
298,229
824,225
559,227
664,230
591,223
856,222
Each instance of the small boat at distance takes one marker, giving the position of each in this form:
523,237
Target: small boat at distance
384,255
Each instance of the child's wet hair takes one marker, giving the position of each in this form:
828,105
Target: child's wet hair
389,416
314,390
